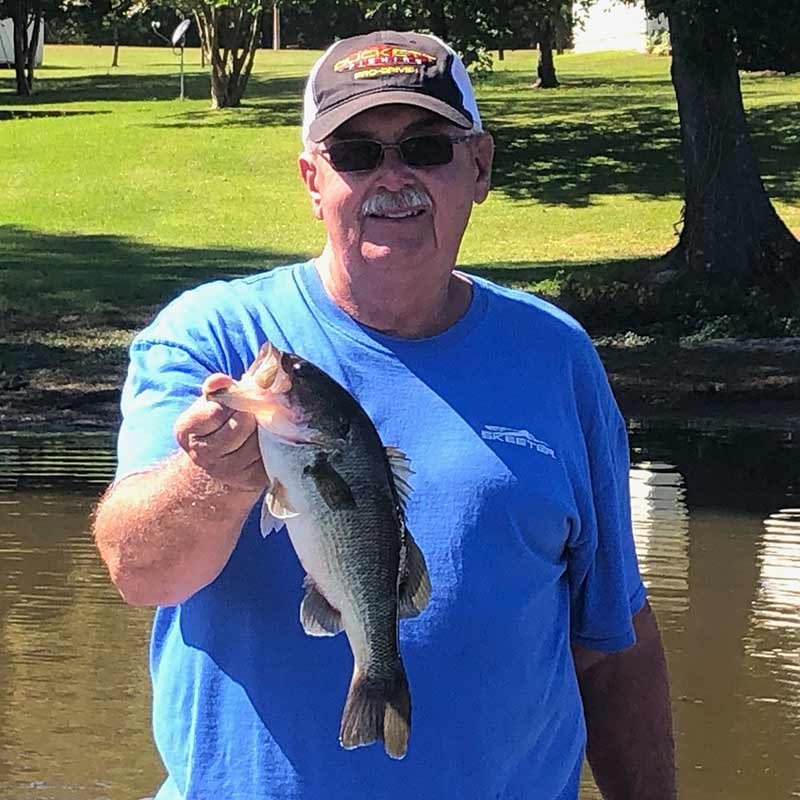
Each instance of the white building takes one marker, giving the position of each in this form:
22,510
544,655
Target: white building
612,25
7,42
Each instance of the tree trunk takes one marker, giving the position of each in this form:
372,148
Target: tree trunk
24,85
438,20
33,42
229,38
732,239
115,58
501,54
546,69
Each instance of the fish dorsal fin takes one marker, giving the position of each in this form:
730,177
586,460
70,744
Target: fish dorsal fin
277,502
317,616
414,590
400,467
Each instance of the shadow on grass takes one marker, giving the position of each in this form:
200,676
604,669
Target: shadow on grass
24,113
598,136
83,279
630,150
525,273
112,87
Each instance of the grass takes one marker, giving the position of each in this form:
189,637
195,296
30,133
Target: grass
116,194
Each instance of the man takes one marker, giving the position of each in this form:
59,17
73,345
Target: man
537,619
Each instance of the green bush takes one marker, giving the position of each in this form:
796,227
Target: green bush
658,44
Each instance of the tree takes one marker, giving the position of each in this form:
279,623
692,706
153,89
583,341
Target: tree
769,41
546,24
229,36
113,22
732,244
27,21
468,26
118,18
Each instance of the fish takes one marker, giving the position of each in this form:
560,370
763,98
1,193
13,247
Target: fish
342,496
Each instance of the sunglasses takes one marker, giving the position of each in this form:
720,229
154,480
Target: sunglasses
361,155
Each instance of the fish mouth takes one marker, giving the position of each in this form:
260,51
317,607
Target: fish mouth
264,377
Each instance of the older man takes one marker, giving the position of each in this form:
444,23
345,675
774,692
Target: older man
537,629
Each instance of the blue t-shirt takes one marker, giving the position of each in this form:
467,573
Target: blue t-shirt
520,505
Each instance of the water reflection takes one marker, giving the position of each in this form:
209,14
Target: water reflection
774,633
717,528
661,530
74,702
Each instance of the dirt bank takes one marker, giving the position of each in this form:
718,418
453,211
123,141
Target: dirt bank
58,386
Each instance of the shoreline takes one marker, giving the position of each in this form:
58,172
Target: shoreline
720,384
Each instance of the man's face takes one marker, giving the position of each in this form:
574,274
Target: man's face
366,213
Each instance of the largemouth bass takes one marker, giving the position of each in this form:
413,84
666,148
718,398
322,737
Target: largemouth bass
341,494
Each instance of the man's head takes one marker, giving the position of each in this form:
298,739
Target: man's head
395,154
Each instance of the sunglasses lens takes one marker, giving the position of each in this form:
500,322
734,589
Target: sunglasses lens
355,155
427,151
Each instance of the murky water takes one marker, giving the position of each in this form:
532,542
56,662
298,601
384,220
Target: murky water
717,522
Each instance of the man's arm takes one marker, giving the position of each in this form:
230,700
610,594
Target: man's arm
628,716
166,533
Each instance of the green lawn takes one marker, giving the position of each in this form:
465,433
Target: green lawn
115,194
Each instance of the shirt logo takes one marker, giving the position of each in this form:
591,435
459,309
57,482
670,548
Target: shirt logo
517,436
382,60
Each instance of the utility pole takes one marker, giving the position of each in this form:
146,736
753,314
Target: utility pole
276,27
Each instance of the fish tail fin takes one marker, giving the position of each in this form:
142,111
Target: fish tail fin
378,708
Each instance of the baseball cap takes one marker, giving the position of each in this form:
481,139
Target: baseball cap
382,68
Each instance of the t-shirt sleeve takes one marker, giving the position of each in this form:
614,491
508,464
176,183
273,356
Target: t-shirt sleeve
164,378
606,589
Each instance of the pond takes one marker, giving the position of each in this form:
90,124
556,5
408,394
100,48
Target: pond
717,524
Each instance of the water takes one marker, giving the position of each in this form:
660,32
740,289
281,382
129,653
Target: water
717,521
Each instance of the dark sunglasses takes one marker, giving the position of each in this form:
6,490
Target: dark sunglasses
360,155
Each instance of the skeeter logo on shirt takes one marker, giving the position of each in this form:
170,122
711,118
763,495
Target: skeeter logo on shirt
383,60
517,436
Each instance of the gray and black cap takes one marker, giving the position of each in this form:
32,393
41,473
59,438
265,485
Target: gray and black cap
383,68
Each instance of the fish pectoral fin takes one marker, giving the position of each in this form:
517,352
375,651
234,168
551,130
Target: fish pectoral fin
317,615
415,586
268,520
277,502
333,488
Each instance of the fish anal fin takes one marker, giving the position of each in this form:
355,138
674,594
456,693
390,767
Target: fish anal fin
277,502
414,590
317,616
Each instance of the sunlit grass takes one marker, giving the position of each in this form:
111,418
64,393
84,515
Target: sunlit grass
116,194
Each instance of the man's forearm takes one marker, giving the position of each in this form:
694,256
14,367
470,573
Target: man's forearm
628,717
166,533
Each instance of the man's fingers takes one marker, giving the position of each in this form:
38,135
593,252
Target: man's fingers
254,476
203,417
247,452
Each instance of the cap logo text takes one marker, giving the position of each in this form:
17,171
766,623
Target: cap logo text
383,60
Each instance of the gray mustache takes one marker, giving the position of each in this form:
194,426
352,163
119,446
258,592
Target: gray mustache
407,197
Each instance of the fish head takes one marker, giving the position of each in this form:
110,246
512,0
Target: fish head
317,398
261,391
289,396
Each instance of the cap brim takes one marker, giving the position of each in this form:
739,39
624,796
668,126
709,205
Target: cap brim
325,124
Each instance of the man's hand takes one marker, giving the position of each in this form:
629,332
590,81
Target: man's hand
222,442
